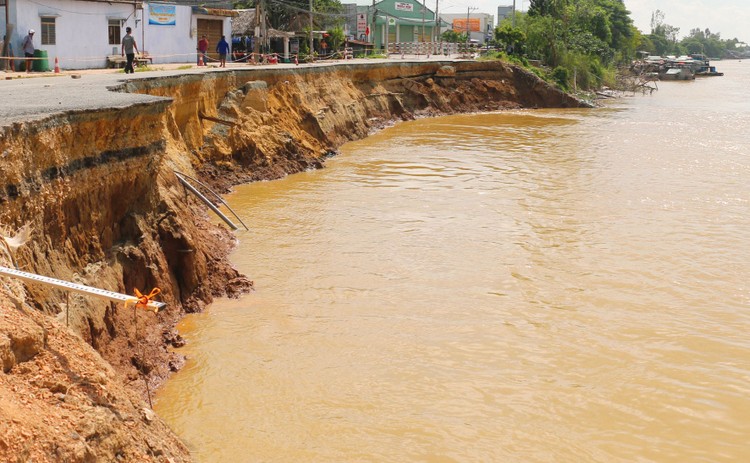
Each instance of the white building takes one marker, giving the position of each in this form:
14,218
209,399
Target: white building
82,33
480,25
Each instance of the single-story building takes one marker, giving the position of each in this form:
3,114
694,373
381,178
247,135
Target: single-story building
82,33
400,21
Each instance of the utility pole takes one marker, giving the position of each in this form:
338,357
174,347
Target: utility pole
312,56
468,33
437,23
372,29
256,31
264,27
424,10
388,34
513,18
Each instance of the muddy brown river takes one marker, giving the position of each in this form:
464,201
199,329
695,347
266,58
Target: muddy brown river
525,286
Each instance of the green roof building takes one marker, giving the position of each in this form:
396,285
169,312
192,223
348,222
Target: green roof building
403,21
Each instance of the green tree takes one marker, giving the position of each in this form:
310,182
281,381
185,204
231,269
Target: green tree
512,38
552,8
706,42
294,14
335,38
544,40
663,36
452,36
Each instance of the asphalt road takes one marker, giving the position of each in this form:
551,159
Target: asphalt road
36,97
28,97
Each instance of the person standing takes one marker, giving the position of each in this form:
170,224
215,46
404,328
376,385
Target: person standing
222,48
203,50
128,45
28,49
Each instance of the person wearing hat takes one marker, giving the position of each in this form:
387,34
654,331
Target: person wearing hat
28,49
128,45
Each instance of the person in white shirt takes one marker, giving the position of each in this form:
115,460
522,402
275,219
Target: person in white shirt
28,49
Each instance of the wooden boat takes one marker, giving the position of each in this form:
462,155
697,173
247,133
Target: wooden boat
677,73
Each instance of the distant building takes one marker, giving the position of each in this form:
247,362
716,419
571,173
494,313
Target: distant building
504,12
350,21
479,25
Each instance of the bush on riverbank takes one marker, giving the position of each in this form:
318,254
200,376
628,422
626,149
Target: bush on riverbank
587,39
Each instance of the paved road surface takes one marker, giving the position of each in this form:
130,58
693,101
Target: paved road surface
28,97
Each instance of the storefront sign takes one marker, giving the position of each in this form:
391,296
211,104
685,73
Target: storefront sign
402,6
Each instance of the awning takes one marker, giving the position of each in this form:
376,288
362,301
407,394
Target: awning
215,12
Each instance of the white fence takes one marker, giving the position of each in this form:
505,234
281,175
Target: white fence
426,48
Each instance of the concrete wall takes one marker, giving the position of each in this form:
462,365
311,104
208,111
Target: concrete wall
82,32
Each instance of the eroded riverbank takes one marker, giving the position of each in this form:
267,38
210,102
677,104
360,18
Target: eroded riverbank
98,188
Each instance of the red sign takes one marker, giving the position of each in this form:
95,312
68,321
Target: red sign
362,24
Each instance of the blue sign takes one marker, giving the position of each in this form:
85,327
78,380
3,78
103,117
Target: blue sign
162,15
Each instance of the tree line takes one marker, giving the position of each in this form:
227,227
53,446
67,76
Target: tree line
581,42
584,42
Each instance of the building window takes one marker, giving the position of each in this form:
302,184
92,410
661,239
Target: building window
114,32
48,31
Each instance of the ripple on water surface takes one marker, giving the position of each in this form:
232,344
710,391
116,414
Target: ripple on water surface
523,286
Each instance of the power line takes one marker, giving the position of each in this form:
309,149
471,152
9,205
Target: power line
307,11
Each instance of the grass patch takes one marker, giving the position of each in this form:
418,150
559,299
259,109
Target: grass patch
144,69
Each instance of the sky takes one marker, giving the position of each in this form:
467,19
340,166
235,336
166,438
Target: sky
731,18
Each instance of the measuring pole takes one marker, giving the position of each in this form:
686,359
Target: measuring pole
70,286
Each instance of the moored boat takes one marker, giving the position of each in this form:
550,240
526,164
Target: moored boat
677,73
709,71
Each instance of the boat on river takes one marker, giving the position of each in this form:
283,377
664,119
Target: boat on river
675,68
704,68
678,72
709,71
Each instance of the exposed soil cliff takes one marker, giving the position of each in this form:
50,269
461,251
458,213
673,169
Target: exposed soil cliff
99,190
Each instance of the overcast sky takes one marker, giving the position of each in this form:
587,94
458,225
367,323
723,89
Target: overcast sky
731,18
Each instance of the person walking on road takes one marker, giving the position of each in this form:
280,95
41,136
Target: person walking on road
28,49
222,48
203,50
128,45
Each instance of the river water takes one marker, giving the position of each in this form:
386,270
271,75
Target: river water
524,286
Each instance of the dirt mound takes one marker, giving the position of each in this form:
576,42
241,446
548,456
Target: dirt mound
60,401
